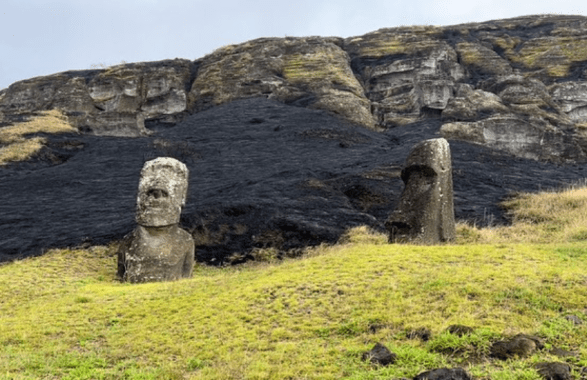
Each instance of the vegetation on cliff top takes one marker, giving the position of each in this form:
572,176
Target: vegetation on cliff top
15,145
64,315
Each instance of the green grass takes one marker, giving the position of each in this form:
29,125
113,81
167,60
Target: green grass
65,316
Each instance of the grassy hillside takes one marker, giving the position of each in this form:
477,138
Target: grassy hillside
65,316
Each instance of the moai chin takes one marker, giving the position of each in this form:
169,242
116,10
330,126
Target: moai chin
425,213
158,249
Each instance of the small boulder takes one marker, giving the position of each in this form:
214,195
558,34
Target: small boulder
563,353
519,346
554,371
444,374
574,319
380,355
421,333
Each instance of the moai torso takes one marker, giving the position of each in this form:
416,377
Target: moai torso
158,249
157,254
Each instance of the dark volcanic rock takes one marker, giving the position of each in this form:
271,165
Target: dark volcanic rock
519,346
444,374
563,353
261,174
421,333
380,355
554,371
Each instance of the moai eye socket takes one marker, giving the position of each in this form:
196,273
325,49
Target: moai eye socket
157,193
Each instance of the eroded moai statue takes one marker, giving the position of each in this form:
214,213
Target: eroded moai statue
158,249
425,212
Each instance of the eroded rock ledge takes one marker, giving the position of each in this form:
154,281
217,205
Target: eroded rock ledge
528,74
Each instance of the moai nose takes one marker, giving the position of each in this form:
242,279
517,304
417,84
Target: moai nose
157,193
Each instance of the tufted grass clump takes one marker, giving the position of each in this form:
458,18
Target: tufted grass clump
16,146
65,315
555,216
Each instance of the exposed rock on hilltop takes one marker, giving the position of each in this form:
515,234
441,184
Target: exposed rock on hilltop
111,102
528,71
278,170
313,72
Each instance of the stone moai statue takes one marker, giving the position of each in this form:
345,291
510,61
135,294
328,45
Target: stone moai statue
425,213
158,249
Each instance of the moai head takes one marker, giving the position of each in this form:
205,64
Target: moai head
162,192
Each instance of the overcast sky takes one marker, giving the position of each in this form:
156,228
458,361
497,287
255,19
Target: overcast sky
41,37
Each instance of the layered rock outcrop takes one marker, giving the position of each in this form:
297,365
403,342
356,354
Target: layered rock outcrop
111,102
528,70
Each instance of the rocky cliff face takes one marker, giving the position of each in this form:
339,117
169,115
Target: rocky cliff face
489,82
509,95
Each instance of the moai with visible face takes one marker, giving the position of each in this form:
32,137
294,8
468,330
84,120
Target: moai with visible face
425,213
158,249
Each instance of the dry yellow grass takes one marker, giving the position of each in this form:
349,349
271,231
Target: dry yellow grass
545,217
20,150
16,146
555,55
548,217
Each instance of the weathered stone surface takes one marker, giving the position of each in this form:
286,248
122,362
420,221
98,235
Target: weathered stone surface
111,123
151,89
554,371
312,72
444,374
150,254
110,102
519,346
571,97
162,192
482,61
425,212
380,355
471,105
405,72
158,249
518,137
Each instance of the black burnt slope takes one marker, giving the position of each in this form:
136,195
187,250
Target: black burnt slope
261,174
